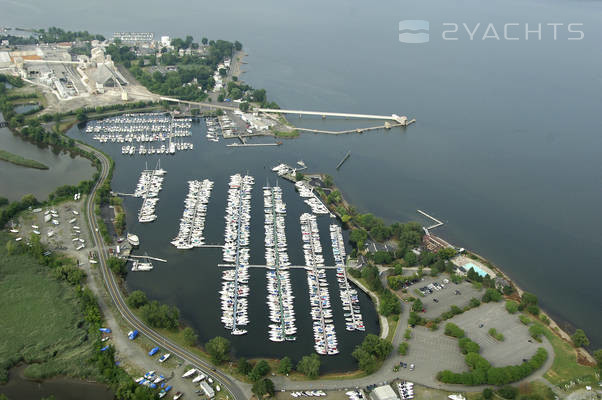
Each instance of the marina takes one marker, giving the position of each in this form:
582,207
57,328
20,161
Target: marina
192,222
325,340
144,134
311,199
235,290
198,273
349,298
148,188
214,129
280,296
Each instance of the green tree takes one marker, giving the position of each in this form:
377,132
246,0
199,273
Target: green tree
160,315
528,298
536,331
117,265
137,299
263,387
298,176
580,339
511,307
446,253
190,337
403,348
487,393
417,306
309,366
508,392
453,330
491,295
468,346
285,366
243,367
204,41
218,349
261,369
598,357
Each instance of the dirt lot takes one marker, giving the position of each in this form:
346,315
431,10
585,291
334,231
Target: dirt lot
66,230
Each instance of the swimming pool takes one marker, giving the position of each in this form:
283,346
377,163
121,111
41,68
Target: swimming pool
476,268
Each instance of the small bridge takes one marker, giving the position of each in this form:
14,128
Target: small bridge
402,120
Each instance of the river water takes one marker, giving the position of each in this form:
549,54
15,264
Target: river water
506,147
17,181
61,388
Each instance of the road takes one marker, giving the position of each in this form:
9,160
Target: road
238,389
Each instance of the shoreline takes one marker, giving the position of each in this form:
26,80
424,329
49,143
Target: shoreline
553,325
20,161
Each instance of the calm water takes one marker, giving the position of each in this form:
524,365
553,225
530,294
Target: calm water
17,181
506,148
23,108
191,279
62,388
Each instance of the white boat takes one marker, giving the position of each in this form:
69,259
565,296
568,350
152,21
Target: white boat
164,357
189,373
133,239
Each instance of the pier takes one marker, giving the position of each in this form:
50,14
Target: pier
357,130
402,120
271,266
149,257
123,194
344,159
252,144
435,225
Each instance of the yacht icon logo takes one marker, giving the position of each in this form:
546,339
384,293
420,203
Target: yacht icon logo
414,31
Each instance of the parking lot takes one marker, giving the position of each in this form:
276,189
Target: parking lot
444,295
431,352
517,344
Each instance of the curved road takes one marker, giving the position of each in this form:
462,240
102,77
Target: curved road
238,389
226,381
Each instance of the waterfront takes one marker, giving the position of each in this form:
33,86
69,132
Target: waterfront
17,181
18,387
191,278
506,147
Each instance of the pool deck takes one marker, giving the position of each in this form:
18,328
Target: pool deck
461,260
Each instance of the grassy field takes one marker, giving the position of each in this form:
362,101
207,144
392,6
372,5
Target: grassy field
22,161
565,366
41,321
286,134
